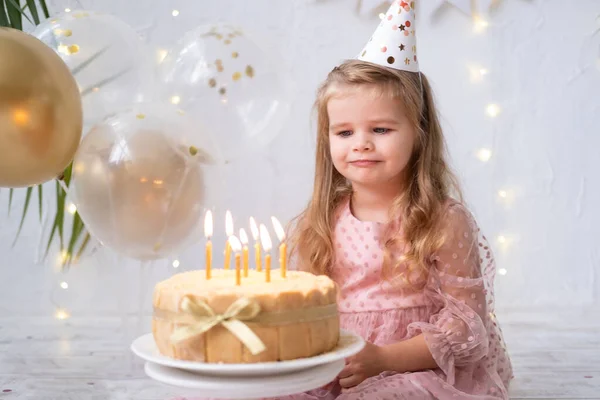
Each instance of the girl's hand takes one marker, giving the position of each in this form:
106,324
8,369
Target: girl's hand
367,363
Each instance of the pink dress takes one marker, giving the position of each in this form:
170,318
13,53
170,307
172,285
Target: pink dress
454,310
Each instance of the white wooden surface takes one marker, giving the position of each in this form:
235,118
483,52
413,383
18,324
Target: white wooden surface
555,357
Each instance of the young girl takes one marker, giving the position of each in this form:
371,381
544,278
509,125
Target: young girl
415,274
387,224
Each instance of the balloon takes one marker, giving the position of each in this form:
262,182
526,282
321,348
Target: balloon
40,111
116,75
222,76
138,184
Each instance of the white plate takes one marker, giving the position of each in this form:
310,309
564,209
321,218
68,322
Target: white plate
348,345
244,387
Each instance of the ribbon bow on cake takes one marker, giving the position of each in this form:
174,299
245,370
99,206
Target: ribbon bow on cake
203,318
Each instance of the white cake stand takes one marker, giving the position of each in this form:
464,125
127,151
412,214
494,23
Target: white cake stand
238,387
243,381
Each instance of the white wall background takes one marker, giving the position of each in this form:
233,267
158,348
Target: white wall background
543,64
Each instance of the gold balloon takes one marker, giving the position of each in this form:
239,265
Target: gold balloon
138,189
41,116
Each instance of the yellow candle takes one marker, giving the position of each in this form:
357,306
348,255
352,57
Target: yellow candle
236,246
257,257
208,258
244,240
208,231
282,259
282,247
245,252
266,244
238,274
227,255
268,268
255,235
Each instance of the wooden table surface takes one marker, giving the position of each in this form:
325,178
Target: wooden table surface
555,357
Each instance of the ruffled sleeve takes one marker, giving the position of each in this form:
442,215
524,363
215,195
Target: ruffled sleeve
457,336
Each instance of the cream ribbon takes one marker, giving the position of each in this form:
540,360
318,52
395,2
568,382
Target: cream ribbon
197,318
205,319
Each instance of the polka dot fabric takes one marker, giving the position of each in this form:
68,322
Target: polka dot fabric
454,311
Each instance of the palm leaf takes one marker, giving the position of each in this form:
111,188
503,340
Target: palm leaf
76,229
15,14
33,10
40,201
45,8
52,233
11,191
3,16
27,199
83,246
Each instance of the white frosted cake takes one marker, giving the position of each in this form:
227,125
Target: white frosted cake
292,317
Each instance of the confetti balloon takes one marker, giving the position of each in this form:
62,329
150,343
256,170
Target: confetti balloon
106,56
40,111
222,76
138,183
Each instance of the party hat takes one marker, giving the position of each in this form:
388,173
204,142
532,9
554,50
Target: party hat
394,44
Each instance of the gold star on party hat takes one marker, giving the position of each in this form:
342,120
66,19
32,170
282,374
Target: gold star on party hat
394,43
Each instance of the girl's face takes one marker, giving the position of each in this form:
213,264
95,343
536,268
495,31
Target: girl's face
371,139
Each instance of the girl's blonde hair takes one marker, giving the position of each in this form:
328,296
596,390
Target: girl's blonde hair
419,207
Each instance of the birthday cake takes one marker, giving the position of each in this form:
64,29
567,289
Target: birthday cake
221,320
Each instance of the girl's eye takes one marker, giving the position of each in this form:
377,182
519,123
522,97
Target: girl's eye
380,130
345,133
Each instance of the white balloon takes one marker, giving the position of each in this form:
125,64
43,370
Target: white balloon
220,74
117,74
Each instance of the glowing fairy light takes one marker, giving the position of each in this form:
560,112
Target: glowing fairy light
484,154
492,110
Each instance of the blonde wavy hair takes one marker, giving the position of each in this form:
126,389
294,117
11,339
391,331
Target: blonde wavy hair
431,183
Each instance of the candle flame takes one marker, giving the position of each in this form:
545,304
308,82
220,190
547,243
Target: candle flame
235,244
265,238
208,224
279,231
243,237
228,223
254,228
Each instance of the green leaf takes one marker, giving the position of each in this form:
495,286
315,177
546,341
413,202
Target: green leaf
3,16
15,14
87,62
11,191
52,233
60,213
40,200
76,229
45,8
27,199
33,10
83,246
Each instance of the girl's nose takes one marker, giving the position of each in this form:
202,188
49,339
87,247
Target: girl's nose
362,142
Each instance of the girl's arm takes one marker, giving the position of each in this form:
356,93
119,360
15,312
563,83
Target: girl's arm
408,356
456,336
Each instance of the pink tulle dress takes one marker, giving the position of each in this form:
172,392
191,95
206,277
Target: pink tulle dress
454,311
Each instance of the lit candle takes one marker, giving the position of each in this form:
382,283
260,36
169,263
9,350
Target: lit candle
266,244
228,232
244,240
236,246
208,231
282,247
255,233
